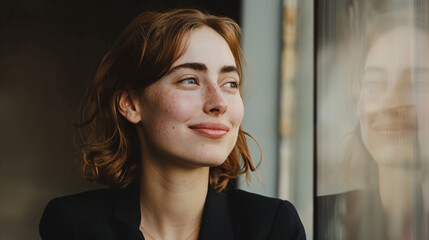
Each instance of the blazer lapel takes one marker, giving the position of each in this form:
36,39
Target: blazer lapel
216,223
127,215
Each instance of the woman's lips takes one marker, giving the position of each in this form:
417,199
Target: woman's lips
210,130
395,129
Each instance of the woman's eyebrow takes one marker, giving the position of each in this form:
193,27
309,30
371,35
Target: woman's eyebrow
195,66
203,68
228,69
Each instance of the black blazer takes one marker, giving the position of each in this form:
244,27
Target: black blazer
111,214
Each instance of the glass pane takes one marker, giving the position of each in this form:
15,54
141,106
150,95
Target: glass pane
373,120
296,110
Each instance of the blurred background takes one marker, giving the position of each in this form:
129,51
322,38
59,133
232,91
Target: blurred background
337,96
49,51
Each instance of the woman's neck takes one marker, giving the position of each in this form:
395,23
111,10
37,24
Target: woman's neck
172,199
397,192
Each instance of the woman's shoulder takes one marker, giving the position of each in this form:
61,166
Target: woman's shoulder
259,204
260,213
254,198
82,202
65,217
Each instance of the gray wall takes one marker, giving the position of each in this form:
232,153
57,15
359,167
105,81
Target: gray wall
261,25
262,46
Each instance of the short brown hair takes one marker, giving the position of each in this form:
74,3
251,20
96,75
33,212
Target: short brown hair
142,55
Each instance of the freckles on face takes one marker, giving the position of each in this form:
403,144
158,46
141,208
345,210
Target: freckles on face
191,116
238,113
166,107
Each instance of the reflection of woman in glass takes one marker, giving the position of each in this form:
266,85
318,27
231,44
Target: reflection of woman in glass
388,146
387,114
163,129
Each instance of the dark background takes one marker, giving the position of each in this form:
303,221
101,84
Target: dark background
49,50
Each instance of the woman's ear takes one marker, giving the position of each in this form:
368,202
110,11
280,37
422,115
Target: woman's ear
129,107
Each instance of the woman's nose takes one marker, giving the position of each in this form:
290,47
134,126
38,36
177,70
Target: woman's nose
400,94
215,102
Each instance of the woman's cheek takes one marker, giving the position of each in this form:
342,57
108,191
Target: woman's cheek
367,108
179,106
362,110
237,109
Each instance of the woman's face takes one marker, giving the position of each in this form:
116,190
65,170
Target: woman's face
387,102
192,115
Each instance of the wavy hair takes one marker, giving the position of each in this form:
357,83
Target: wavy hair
143,54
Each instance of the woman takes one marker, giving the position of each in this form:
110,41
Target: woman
163,130
385,152
393,88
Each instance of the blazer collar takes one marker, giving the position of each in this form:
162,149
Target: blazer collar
216,223
127,213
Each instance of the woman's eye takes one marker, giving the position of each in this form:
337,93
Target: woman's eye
232,84
189,81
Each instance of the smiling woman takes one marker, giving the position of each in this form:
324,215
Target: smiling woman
162,127
192,115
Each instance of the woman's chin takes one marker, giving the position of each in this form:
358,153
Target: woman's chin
200,160
212,160
393,158
394,152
